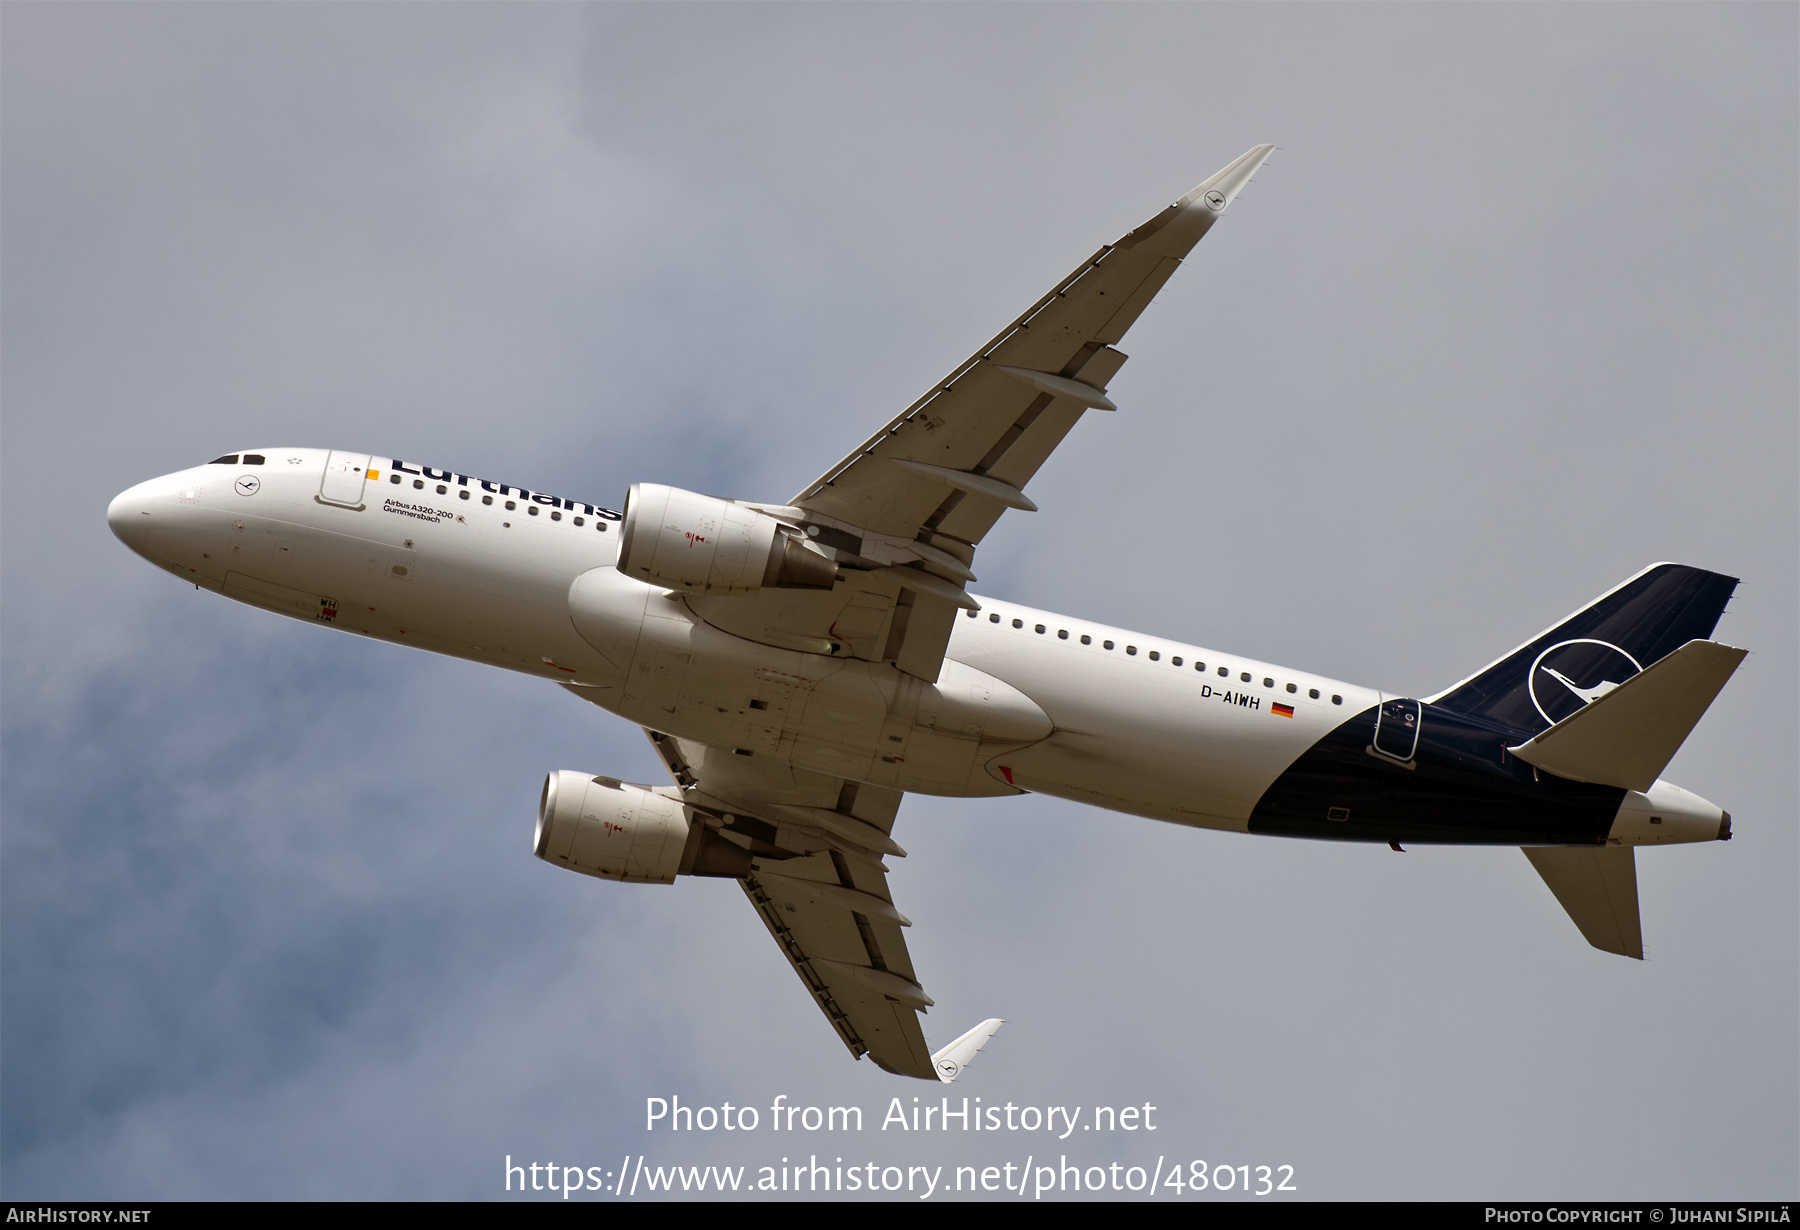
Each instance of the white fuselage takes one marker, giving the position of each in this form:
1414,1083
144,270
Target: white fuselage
1027,700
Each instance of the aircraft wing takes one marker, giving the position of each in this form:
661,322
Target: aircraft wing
924,490
834,922
958,457
817,881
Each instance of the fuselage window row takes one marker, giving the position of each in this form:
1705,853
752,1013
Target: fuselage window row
1062,634
419,484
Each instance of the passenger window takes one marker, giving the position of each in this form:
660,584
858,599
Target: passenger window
394,479
532,511
1154,656
1337,700
1268,683
556,516
1223,673
1243,676
462,495
1039,629
443,490
487,499
1106,644
1199,666
601,526
970,614
510,506
253,459
1132,650
1062,634
1087,640
418,484
1292,688
1174,661
229,459
1313,692
1018,623
993,619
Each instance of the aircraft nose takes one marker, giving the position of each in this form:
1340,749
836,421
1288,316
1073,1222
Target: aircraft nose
129,517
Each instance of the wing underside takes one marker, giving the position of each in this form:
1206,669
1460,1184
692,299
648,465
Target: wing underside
958,457
853,962
819,885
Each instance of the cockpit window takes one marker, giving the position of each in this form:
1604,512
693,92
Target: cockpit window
253,459
229,459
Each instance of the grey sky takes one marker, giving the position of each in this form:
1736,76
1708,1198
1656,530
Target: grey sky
1510,315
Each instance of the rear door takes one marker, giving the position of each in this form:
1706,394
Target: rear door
1397,724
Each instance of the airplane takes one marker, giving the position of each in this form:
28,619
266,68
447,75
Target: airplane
800,666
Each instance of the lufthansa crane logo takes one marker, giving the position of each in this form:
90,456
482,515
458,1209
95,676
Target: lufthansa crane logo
1572,674
1216,199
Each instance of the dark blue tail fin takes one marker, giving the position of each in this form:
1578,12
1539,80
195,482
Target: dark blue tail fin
1594,650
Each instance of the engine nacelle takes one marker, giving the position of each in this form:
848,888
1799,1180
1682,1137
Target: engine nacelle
602,827
679,540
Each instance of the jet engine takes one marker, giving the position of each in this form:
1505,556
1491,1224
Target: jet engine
679,540
603,827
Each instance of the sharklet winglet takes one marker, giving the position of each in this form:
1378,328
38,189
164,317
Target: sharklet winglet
953,1059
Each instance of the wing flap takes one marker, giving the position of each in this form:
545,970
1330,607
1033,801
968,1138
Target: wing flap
927,636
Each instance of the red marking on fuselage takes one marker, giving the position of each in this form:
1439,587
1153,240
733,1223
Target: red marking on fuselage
1006,773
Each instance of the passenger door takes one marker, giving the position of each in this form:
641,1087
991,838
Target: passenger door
345,474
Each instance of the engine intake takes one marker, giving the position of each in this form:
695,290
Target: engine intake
603,827
679,540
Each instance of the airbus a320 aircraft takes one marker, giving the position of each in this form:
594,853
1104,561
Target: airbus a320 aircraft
800,666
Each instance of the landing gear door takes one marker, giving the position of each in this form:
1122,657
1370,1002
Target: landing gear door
345,474
1397,724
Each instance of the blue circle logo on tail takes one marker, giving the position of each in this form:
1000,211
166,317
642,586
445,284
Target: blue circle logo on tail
1570,675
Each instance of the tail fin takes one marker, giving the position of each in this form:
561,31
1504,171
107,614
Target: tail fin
1594,650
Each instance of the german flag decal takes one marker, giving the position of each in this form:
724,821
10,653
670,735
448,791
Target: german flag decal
1282,710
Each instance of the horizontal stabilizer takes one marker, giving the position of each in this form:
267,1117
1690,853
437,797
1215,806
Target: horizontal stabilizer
1626,736
951,1061
1597,885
